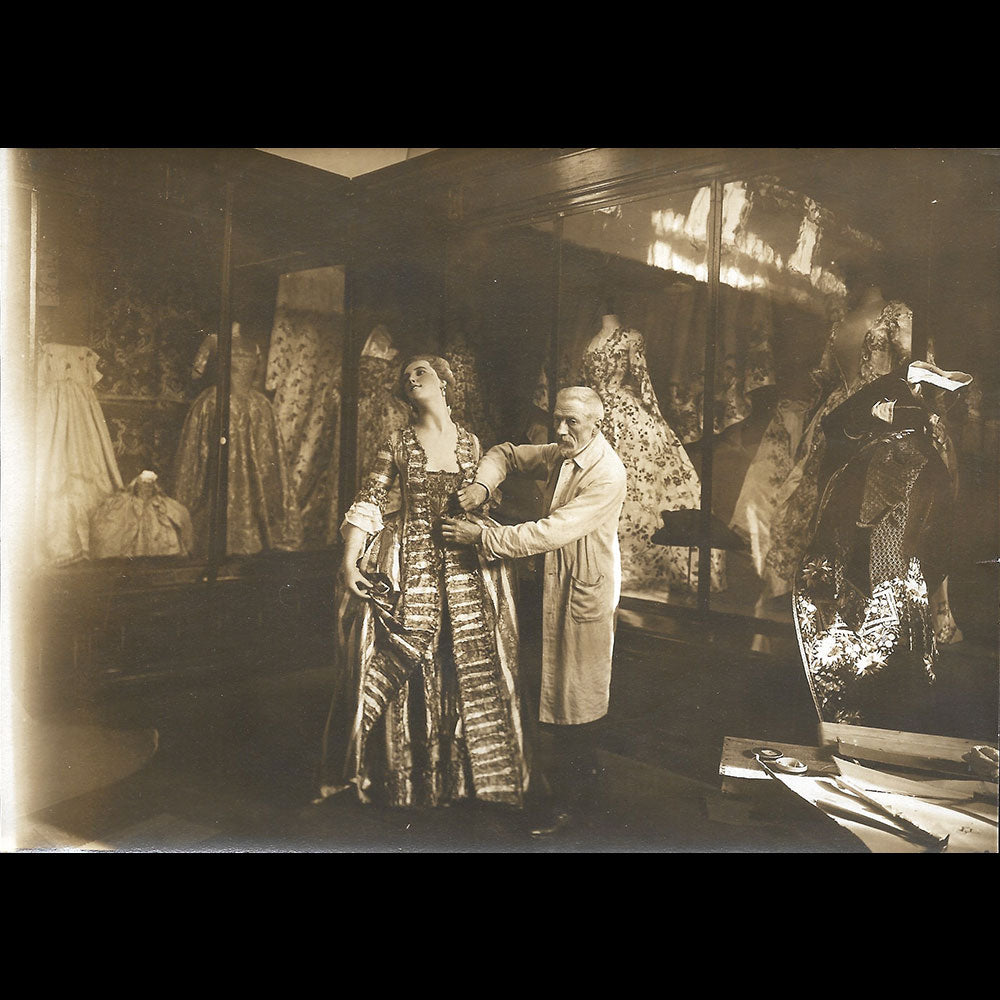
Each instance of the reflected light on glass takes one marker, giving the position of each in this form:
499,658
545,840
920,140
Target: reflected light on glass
680,246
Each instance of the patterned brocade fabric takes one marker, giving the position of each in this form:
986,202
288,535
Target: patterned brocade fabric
744,357
262,511
661,476
860,597
303,372
886,345
436,700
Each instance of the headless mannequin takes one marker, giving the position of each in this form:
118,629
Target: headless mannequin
847,353
610,323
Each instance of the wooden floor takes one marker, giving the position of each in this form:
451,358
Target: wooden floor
230,767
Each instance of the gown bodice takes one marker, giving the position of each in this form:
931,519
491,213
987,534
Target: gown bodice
441,490
886,345
243,368
606,367
67,363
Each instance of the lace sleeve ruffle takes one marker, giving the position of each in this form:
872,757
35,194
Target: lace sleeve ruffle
364,515
372,499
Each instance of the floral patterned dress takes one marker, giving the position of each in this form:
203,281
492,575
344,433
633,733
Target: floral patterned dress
661,476
432,704
885,346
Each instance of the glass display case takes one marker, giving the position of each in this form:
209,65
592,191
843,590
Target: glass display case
178,323
235,330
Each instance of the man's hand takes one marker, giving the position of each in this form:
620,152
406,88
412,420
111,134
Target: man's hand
460,532
472,496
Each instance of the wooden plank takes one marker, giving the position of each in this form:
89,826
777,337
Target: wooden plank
922,744
954,789
900,758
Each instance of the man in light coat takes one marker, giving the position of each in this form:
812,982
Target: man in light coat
578,534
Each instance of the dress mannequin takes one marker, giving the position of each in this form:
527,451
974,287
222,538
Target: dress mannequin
379,344
471,401
140,520
661,476
881,544
262,511
871,340
303,380
76,466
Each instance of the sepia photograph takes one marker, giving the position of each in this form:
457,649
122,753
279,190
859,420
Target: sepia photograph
527,500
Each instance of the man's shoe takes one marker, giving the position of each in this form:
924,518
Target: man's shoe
556,822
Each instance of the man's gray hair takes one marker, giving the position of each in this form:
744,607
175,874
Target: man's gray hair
586,396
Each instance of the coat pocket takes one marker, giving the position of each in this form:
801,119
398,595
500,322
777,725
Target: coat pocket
588,602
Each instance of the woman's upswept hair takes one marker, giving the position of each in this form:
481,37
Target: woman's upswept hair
440,366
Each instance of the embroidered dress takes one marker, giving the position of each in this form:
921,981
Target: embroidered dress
661,476
860,597
433,684
886,345
262,511
303,373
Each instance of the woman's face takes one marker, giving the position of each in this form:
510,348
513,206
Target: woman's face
421,382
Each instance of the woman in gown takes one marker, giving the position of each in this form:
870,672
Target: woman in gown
860,597
429,631
262,512
661,476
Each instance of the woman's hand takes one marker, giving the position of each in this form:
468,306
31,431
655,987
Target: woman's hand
354,580
460,532
472,496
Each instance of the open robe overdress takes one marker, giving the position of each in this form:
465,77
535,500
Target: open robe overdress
452,635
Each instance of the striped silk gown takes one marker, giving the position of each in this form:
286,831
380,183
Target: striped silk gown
431,703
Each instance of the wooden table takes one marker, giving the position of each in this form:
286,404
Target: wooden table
947,802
